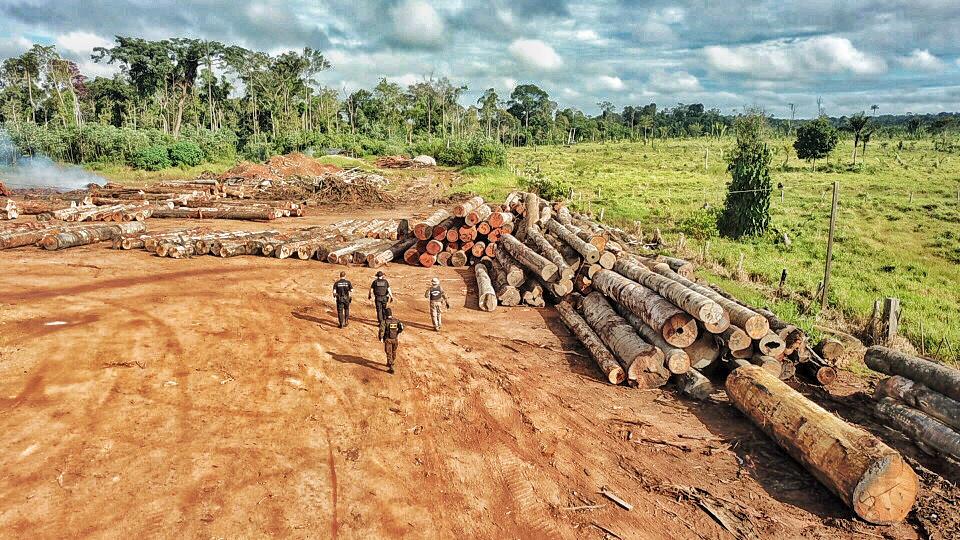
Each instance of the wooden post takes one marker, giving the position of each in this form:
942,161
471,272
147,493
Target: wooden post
783,281
829,262
891,317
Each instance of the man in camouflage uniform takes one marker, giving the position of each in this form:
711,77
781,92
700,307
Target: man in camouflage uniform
437,299
380,290
342,290
389,334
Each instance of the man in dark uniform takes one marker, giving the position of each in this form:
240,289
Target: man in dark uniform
390,330
380,290
341,293
437,299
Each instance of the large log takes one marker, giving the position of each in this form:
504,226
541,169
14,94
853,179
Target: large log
830,350
529,258
817,373
424,229
90,235
532,293
486,296
755,325
643,361
499,219
458,259
771,345
769,364
512,271
598,351
477,215
703,352
507,294
532,204
792,336
537,241
943,379
736,339
467,206
694,385
869,476
702,308
677,327
920,397
588,251
924,430
376,260
675,359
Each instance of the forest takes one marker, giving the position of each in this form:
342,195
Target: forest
182,101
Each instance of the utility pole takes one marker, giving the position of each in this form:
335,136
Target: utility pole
827,266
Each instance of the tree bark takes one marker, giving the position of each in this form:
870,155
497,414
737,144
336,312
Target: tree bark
424,229
478,215
927,432
513,274
769,364
588,251
598,351
538,242
531,203
694,385
940,378
677,327
82,236
865,473
507,294
676,360
486,296
376,260
920,397
643,361
529,258
699,306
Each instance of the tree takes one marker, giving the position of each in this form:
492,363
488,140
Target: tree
874,108
489,102
815,140
857,123
746,210
531,105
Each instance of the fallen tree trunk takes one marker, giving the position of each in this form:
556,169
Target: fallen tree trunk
588,251
376,260
598,351
755,325
424,229
677,327
540,243
943,379
643,361
90,235
920,397
830,350
529,258
702,308
928,433
486,296
694,385
511,270
676,360
865,473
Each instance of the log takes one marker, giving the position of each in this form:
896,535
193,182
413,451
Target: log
443,258
830,350
424,229
453,234
694,385
791,335
701,307
512,271
816,373
537,241
771,345
91,234
676,360
483,228
769,364
486,296
427,260
458,259
411,256
788,370
588,251
703,352
507,294
643,361
922,429
531,202
680,266
862,471
920,397
607,260
677,327
940,378
376,260
499,219
462,209
478,248
467,234
434,247
736,339
755,325
532,293
478,214
529,258
605,360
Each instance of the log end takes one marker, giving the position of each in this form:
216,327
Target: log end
757,326
887,491
680,330
713,314
826,375
677,362
616,375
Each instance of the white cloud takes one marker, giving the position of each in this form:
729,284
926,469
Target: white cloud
415,22
921,60
406,79
535,54
80,42
610,83
508,83
789,58
658,27
677,81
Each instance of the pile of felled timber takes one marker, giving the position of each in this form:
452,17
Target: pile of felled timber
921,398
8,209
62,236
461,238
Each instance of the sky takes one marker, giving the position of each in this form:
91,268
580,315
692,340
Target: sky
902,55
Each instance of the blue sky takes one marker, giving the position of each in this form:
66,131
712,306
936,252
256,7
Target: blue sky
901,55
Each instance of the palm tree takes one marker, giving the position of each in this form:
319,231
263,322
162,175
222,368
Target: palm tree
874,108
857,124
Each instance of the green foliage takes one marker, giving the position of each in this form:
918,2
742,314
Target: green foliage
549,189
816,139
746,211
151,158
185,154
701,224
485,152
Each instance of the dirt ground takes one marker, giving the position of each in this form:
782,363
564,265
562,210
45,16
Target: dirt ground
209,397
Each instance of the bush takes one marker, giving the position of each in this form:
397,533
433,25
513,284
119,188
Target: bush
454,153
488,153
746,209
185,154
257,151
152,158
700,225
551,190
815,140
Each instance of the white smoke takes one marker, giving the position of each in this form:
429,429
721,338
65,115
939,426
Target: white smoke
18,171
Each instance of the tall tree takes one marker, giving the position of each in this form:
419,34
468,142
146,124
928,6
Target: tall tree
857,123
746,211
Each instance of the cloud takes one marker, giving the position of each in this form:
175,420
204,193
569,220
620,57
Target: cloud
794,58
677,81
658,26
417,24
611,83
535,54
80,42
921,60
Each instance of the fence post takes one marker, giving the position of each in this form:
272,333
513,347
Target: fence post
829,262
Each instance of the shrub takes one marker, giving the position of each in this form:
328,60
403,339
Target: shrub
151,158
815,140
454,153
257,151
551,190
185,154
701,224
487,152
746,210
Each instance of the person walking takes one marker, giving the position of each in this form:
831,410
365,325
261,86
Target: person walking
389,334
342,290
381,293
437,299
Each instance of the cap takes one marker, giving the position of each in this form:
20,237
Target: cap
435,281
343,274
379,273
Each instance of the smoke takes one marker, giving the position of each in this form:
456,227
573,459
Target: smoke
18,171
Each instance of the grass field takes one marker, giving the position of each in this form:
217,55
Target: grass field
897,232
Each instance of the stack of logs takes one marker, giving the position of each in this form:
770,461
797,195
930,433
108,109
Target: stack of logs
462,238
921,399
8,209
62,236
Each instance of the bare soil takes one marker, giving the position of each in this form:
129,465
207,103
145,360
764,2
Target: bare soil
209,397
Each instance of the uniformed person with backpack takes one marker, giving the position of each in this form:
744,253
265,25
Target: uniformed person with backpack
437,299
381,293
342,290
390,329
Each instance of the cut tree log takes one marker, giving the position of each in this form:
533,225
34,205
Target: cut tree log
529,258
512,271
643,361
532,293
771,345
792,336
694,385
486,296
607,260
424,229
507,294
91,234
499,219
462,209
931,435
477,215
458,259
588,251
788,369
816,373
867,475
605,360
677,327
537,241
676,360
755,325
743,354
701,307
940,378
703,352
920,397
376,260
736,339
830,350
531,202
769,364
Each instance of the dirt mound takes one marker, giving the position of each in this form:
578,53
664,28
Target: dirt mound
246,170
4,190
297,164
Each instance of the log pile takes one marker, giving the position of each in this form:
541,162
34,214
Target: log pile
460,238
90,234
921,399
